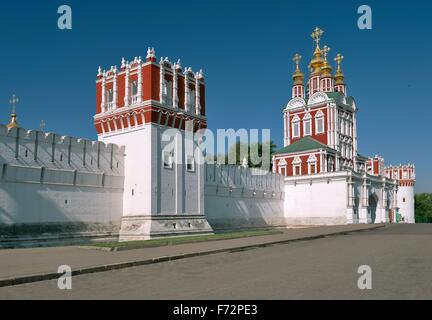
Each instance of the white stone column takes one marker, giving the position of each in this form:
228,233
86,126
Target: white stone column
139,80
103,103
285,129
161,81
175,86
197,95
364,202
115,89
186,94
351,200
127,86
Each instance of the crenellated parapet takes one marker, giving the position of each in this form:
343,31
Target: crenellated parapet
239,181
50,158
404,174
146,91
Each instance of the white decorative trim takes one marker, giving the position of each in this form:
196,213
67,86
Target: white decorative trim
296,103
317,98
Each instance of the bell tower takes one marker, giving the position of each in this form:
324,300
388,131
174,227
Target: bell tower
149,107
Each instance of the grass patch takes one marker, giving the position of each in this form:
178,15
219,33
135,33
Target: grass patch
172,241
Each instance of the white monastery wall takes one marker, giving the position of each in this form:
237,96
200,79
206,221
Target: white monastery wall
316,200
46,178
238,197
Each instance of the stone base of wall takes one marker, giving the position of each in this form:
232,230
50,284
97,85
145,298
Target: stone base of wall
245,223
55,234
315,221
146,227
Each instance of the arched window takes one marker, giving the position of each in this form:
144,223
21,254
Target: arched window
110,98
312,164
192,98
319,122
134,92
307,125
297,166
282,167
296,127
169,93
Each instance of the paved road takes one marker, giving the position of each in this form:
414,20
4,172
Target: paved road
400,257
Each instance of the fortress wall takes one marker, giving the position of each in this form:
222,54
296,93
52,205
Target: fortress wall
49,179
238,197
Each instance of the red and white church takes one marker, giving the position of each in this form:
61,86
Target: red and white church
327,180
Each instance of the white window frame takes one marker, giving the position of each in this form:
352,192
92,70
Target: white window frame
282,165
312,160
307,122
319,117
295,124
297,163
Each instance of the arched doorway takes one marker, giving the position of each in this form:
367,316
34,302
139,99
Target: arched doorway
373,202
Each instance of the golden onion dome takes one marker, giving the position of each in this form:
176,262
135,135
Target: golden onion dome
326,69
317,59
13,122
339,76
298,76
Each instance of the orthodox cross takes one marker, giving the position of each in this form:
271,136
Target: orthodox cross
338,60
297,59
316,35
326,50
13,103
42,125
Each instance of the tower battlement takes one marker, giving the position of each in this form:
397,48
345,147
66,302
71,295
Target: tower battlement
140,92
404,174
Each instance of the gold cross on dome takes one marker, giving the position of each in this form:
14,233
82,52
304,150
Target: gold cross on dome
326,50
297,59
14,102
339,59
316,35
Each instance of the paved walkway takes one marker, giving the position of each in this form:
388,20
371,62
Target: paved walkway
35,264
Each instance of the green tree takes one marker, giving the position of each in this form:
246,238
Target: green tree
241,150
423,207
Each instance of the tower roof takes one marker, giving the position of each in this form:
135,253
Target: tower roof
317,59
13,121
339,76
298,75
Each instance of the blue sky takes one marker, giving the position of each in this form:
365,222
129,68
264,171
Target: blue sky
245,49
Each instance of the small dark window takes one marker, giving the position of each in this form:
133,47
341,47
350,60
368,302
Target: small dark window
133,192
403,199
117,165
66,202
175,225
26,153
61,156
